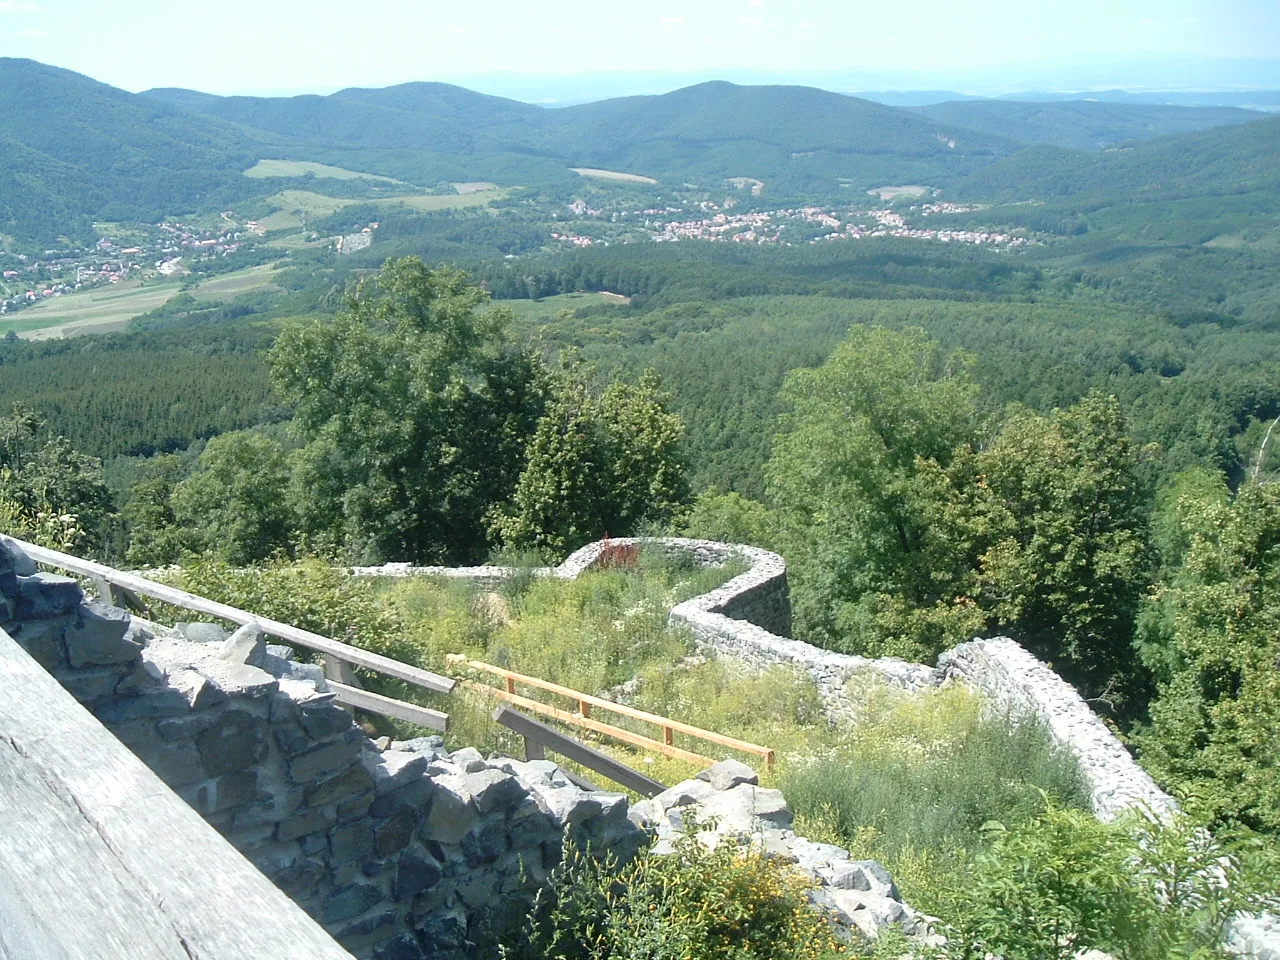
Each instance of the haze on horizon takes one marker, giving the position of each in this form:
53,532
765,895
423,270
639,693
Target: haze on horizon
584,48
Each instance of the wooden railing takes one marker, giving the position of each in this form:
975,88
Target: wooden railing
340,658
539,735
586,703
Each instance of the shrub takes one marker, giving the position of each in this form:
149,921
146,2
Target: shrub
691,904
1063,883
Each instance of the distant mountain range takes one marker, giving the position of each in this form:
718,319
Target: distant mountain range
73,150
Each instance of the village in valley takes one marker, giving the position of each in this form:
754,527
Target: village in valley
786,226
133,252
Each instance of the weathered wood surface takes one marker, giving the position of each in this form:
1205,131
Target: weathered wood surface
577,751
99,860
389,707
222,611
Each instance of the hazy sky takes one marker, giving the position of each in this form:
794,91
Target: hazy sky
275,46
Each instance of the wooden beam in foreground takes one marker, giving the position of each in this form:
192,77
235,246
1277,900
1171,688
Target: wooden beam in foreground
577,751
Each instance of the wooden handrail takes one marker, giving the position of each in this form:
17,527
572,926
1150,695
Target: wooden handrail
180,598
669,726
596,726
579,752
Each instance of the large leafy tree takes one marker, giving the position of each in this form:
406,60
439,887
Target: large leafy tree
854,477
1211,634
48,489
597,465
1060,514
234,504
415,409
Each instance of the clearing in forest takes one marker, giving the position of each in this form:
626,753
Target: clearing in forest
611,175
909,190
264,169
297,208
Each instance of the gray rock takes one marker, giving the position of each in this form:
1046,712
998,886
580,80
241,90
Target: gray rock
429,746
322,762
349,901
236,741
453,812
202,632
98,636
246,645
352,841
393,834
300,879
43,639
469,759
418,871
15,558
352,783
280,651
322,718
200,691
93,685
645,814
307,822
163,703
43,595
226,792
415,796
727,774
242,680
878,879
393,769
684,794
569,805
177,764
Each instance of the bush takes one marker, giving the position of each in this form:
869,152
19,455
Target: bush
724,904
1063,883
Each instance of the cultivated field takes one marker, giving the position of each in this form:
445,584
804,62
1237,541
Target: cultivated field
296,208
111,308
546,309
890,193
475,186
300,168
612,175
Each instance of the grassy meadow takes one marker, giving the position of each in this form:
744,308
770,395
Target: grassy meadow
105,309
295,208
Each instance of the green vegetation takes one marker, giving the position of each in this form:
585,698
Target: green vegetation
264,169
689,903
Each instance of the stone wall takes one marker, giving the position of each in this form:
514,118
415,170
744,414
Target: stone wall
1014,680
400,850
749,619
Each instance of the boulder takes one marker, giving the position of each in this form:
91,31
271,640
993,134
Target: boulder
727,774
246,645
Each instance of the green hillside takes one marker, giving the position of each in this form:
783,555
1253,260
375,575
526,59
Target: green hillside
1230,160
1081,124
76,148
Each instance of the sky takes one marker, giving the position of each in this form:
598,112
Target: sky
296,46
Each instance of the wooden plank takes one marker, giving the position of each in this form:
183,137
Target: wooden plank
619,708
577,751
191,880
596,726
222,611
389,707
533,750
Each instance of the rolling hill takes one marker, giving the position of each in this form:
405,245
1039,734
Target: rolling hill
1231,160
73,150
1081,124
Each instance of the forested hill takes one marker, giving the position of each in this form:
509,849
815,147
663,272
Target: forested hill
71,144
1081,124
1233,159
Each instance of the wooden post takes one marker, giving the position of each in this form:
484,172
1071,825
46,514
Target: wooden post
343,673
668,736
533,750
584,708
511,685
